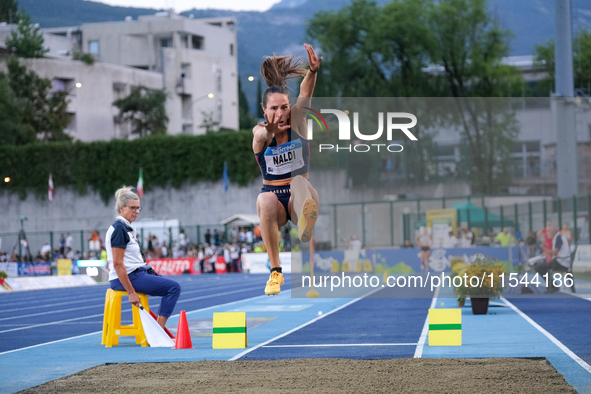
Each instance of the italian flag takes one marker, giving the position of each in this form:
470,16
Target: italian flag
50,192
140,185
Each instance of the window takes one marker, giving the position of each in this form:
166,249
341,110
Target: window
231,49
166,42
188,128
196,42
62,84
219,79
94,47
186,70
219,111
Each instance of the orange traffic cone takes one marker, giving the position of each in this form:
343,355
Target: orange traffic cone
183,336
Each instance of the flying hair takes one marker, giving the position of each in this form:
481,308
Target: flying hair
277,70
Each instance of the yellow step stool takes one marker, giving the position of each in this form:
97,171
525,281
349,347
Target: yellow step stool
112,328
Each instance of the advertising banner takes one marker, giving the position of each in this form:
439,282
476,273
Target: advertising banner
175,266
35,269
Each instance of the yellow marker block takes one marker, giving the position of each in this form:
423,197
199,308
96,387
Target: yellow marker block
335,266
358,268
445,327
367,267
345,266
385,279
229,330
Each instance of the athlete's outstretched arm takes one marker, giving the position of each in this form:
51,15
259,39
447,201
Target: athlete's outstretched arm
306,91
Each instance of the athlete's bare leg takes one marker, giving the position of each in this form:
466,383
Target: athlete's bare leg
272,215
304,200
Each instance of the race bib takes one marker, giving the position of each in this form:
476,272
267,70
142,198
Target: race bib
284,158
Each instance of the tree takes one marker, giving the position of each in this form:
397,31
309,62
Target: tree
43,111
260,113
144,109
544,61
27,40
8,11
245,119
470,46
13,131
427,48
208,122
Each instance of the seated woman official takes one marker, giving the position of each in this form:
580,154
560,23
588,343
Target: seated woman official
128,270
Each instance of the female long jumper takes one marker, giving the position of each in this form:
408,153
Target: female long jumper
282,151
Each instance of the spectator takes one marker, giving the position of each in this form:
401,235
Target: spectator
211,256
518,235
77,255
257,234
451,241
407,244
69,241
69,253
466,236
286,239
567,233
216,238
182,241
248,237
94,245
544,232
62,244
558,253
531,243
504,237
227,258
208,237
234,235
45,251
241,235
164,249
234,256
201,257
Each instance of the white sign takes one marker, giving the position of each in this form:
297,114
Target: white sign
258,263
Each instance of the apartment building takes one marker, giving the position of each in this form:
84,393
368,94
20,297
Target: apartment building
196,58
193,60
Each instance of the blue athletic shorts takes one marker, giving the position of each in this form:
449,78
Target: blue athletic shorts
283,193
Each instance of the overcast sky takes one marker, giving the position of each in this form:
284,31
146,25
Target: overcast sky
184,5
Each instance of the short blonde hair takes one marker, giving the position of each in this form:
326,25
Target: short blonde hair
122,197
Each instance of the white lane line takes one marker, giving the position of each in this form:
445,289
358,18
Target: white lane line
98,332
586,297
49,343
551,337
127,310
99,298
236,357
348,344
423,338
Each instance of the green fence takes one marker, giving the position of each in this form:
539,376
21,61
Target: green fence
389,223
35,240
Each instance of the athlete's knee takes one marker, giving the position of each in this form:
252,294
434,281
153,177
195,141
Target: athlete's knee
267,202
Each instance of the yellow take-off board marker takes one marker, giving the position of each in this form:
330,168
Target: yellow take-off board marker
229,330
445,327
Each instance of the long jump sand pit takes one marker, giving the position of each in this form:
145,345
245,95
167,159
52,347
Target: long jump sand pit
445,375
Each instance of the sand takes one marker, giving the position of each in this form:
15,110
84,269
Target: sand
445,375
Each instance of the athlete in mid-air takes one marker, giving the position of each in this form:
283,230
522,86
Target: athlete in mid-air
282,151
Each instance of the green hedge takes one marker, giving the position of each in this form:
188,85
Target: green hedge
103,167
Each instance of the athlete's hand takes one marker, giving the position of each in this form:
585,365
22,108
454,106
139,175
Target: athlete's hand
313,60
273,125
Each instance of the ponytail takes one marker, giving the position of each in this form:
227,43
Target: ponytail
276,70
